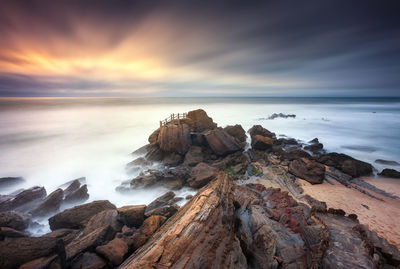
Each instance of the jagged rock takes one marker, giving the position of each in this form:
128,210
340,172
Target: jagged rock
142,150
201,174
389,173
315,146
172,159
153,138
78,216
17,251
114,251
193,156
259,130
295,153
163,200
237,132
67,235
260,142
151,224
75,184
79,195
346,164
88,260
14,220
10,181
165,211
154,153
174,138
44,262
108,217
221,143
10,232
50,204
25,198
308,170
201,121
132,215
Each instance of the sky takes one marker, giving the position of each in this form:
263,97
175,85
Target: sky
199,48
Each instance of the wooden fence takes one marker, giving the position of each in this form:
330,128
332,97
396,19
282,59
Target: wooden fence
173,117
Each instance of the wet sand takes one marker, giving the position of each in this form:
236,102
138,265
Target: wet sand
382,217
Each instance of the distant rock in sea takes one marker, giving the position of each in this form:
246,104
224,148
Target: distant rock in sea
279,115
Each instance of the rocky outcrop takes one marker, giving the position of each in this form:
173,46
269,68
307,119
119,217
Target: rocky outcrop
50,204
221,143
194,156
78,216
75,184
79,195
315,146
389,173
308,170
200,121
133,215
237,132
114,251
14,220
346,164
259,130
201,174
10,181
153,138
24,200
174,138
260,142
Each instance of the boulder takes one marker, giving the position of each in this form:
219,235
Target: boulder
165,211
193,156
10,232
17,251
237,132
23,200
172,159
154,153
315,146
75,184
114,251
346,164
201,174
259,130
108,217
261,142
153,138
151,224
295,153
14,220
308,170
389,173
66,235
50,204
10,181
78,216
88,260
160,201
133,215
79,195
52,261
221,143
174,138
201,121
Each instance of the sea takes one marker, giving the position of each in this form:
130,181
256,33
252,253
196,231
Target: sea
50,141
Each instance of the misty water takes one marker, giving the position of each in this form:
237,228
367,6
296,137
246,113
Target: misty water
50,141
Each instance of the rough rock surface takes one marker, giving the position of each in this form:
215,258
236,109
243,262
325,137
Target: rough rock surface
259,130
29,196
79,195
201,121
78,216
309,170
151,224
346,164
193,156
133,215
114,251
221,143
201,174
50,204
260,142
108,217
88,260
75,184
174,138
14,220
237,132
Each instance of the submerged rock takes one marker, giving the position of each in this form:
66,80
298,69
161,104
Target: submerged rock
50,204
387,162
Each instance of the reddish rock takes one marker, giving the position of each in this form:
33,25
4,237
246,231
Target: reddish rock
51,262
221,143
174,138
308,170
114,251
165,211
133,215
160,201
151,224
201,121
108,217
201,174
236,131
261,142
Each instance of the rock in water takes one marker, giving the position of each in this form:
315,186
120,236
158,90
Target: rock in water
50,204
201,121
174,138
237,132
346,164
14,220
23,199
390,173
308,170
79,195
72,187
10,181
221,143
261,142
259,130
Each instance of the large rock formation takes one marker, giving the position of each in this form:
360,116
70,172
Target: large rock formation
174,138
309,170
221,143
346,164
200,121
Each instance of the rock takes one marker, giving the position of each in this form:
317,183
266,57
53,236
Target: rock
153,138
260,142
24,199
201,174
221,143
346,164
172,159
308,170
294,153
114,251
88,260
89,241
165,211
174,138
315,146
108,217
284,141
79,195
160,201
315,205
10,232
75,184
135,241
66,235
10,181
259,130
142,150
281,115
78,216
81,180
17,251
133,215
200,121
14,220
188,197
389,173
154,153
44,262
151,224
193,156
50,204
387,162
237,132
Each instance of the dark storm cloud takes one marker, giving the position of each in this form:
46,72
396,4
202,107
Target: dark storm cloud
317,47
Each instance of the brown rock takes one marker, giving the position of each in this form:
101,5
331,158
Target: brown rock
114,251
295,153
78,216
10,232
201,174
23,199
151,224
261,142
236,131
50,204
132,215
154,136
259,130
14,220
172,159
154,153
390,173
221,143
165,211
75,184
346,164
308,170
79,195
88,260
67,235
160,201
174,138
193,156
108,217
201,121
51,262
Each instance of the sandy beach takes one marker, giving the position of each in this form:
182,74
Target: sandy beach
382,217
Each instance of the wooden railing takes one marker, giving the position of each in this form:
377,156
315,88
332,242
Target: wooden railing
173,117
